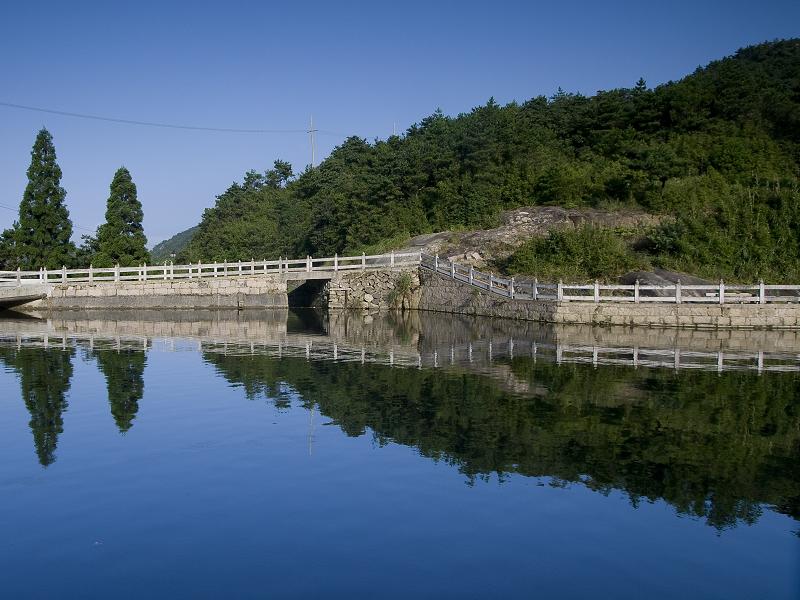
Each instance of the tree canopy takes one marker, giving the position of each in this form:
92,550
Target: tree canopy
718,152
120,240
41,235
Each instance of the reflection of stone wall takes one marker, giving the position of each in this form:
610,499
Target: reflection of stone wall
442,294
370,289
414,330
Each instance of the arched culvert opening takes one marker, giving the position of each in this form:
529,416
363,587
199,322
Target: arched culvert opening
307,294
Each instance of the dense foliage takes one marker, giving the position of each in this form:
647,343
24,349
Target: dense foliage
718,151
120,240
41,235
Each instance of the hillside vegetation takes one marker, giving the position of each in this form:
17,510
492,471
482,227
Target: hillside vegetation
717,152
164,250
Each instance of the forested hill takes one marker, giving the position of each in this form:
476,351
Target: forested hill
718,150
164,250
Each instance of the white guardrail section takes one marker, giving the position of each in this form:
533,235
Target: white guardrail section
722,293
758,293
169,271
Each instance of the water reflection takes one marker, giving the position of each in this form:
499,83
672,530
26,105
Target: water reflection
124,373
44,377
716,439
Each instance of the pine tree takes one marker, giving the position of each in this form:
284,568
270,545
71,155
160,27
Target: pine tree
121,240
42,233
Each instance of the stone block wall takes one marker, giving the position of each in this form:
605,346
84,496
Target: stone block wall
228,292
372,289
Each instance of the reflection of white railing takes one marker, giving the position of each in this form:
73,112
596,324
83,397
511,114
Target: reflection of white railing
169,271
481,354
677,293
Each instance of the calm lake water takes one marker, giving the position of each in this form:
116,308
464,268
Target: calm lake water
284,454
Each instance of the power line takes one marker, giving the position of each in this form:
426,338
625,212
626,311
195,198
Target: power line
150,123
64,113
73,225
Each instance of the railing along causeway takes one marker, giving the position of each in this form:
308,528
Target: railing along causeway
678,293
597,292
170,271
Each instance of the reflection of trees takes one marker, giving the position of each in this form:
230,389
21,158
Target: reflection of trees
44,376
124,373
713,446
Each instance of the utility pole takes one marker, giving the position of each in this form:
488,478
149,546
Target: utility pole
311,133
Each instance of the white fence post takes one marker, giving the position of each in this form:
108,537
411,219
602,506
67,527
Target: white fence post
678,292
560,291
308,264
91,274
44,274
63,273
535,288
471,274
596,291
240,267
363,261
452,269
164,274
511,288
19,277
392,259
721,292
491,279
436,263
116,272
762,297
336,263
144,272
636,291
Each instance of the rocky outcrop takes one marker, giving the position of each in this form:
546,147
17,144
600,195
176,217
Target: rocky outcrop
519,226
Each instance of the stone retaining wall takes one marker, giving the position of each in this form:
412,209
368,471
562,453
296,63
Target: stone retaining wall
440,293
372,289
228,292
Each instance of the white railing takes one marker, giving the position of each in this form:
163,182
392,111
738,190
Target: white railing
722,293
169,271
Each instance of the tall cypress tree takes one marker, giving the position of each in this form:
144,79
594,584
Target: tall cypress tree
121,240
42,233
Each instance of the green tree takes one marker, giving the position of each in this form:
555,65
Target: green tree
279,174
42,233
121,240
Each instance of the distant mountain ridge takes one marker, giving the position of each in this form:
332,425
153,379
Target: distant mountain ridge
164,250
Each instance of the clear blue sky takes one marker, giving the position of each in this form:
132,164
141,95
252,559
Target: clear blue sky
358,67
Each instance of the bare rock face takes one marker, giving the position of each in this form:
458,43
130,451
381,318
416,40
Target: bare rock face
519,226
